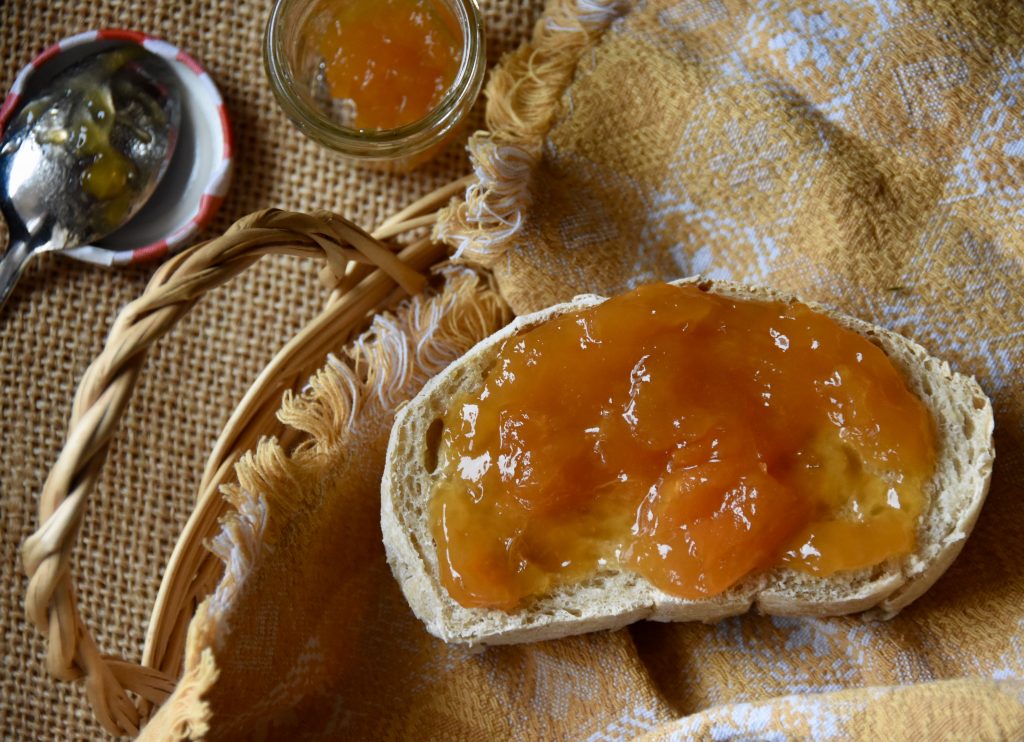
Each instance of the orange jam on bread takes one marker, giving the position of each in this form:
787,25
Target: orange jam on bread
390,61
689,437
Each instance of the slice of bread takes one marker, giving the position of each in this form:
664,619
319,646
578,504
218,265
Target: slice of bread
610,599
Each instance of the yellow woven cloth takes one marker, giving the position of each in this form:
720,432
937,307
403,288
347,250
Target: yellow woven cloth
866,156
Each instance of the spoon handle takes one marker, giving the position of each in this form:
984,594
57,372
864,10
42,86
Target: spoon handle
12,265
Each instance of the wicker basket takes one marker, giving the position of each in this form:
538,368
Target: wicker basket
365,272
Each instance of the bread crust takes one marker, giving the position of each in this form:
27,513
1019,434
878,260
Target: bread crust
964,456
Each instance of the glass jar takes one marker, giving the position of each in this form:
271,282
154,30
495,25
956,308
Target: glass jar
295,70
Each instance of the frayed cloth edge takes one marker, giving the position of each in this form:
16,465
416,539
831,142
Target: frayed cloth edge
523,93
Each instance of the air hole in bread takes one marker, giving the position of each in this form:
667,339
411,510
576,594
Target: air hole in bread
704,285
879,570
979,403
432,444
968,426
926,386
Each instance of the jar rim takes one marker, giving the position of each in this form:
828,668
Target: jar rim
400,141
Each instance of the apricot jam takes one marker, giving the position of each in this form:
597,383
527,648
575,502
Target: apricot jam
686,436
390,61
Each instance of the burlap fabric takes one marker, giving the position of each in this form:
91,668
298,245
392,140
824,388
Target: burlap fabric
864,156
58,316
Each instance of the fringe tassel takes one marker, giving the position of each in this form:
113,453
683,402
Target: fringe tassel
377,371
238,543
522,98
185,715
352,396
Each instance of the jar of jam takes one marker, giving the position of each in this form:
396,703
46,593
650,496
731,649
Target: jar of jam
385,83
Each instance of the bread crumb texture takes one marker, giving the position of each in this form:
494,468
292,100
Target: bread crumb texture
963,422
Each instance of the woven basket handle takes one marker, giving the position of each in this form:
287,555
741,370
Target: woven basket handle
100,402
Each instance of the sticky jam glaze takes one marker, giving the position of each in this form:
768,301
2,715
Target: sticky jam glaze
690,437
392,61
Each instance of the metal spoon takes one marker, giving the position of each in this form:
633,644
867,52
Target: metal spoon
85,154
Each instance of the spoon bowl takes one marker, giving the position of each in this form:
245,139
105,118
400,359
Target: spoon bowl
84,154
